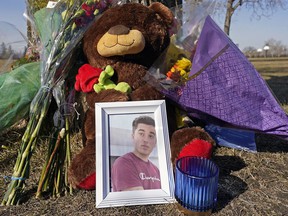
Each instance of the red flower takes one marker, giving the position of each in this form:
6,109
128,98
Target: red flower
89,9
87,76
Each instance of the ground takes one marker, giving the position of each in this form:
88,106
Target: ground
249,183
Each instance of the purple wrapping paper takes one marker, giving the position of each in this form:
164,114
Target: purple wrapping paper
229,88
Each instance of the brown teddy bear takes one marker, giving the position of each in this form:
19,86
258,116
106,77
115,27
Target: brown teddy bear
124,42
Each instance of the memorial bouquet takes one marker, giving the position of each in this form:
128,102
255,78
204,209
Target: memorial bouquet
60,30
207,75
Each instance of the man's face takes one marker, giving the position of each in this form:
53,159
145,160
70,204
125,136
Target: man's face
144,139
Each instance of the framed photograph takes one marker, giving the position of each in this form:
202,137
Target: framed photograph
133,165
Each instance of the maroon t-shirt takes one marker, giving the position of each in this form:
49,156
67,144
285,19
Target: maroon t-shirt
130,171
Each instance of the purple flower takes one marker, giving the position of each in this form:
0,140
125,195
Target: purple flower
81,21
101,5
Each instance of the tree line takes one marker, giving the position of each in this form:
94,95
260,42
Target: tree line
271,48
6,52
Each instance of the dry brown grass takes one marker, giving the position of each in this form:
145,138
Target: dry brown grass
249,183
5,65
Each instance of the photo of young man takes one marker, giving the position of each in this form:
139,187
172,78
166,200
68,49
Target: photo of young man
134,170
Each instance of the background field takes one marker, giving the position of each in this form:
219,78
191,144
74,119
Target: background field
4,65
250,183
275,72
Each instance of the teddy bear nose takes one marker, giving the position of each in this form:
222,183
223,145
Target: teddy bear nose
118,30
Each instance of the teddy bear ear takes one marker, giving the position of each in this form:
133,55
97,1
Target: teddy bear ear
164,12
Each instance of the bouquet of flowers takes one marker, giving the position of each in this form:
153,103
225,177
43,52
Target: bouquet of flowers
63,28
217,84
171,70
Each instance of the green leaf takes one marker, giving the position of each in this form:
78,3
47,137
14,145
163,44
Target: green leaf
17,90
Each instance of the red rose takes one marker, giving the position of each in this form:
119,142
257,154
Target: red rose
87,76
89,9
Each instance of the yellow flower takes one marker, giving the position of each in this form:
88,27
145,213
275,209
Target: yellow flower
184,64
182,72
182,67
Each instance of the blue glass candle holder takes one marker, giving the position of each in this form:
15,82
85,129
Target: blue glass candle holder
196,183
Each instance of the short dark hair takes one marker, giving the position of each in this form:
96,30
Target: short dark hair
142,120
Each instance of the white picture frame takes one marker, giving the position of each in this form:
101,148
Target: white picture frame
105,197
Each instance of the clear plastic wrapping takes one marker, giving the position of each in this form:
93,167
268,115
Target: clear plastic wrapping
18,85
188,23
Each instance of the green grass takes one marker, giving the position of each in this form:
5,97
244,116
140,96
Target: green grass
271,66
275,72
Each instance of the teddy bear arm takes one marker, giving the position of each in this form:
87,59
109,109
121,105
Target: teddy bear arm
130,73
146,92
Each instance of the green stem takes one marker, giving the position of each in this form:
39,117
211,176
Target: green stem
39,189
68,154
58,181
22,163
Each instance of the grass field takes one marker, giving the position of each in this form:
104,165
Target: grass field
250,184
275,72
271,67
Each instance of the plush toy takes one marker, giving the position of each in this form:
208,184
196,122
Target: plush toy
120,47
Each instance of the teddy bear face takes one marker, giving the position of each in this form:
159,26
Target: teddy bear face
128,33
119,41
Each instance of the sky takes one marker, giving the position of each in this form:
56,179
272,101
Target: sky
244,30
251,32
11,22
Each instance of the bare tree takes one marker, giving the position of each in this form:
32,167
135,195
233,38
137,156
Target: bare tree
250,51
259,8
276,47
